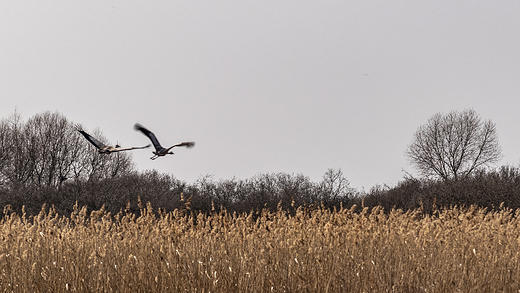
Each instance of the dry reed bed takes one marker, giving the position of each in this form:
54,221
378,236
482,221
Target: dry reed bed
315,250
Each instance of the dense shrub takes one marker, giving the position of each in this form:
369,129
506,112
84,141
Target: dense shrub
487,189
270,191
126,192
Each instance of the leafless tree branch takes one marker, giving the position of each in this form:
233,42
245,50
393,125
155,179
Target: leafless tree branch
454,145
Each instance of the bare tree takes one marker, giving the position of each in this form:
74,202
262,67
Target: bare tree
16,167
335,186
50,148
5,160
46,150
454,145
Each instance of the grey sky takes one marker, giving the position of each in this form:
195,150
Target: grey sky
265,86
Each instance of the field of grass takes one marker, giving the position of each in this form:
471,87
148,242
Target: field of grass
311,250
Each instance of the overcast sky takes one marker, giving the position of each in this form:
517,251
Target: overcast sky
265,86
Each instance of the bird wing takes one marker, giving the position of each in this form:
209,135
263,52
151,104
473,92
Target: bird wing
150,135
142,147
187,144
120,149
139,147
92,140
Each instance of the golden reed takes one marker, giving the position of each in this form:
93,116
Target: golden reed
311,250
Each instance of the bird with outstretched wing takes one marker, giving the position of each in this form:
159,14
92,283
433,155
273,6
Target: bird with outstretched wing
107,149
160,151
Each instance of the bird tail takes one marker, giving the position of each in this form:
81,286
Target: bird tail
188,144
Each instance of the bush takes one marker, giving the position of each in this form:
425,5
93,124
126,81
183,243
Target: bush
487,189
264,191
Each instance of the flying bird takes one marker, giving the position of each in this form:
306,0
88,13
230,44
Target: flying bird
160,151
107,149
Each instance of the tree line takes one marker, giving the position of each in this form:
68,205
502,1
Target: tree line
44,160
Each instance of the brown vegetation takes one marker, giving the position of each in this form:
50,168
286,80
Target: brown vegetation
312,250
